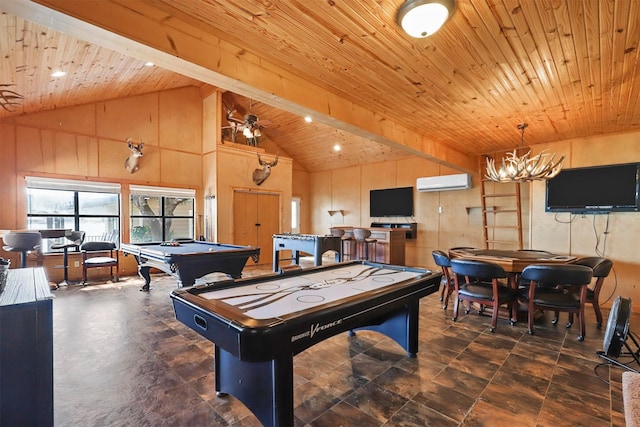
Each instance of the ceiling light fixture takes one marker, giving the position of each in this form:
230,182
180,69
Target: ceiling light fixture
308,119
422,18
148,64
524,168
58,74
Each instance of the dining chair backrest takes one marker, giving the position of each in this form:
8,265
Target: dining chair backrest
479,269
551,275
601,266
441,258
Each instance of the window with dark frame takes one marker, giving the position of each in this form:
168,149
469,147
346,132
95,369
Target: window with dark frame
161,214
73,205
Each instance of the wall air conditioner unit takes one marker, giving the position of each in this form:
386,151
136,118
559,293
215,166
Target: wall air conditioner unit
461,181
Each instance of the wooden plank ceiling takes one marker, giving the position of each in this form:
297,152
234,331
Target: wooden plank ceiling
567,68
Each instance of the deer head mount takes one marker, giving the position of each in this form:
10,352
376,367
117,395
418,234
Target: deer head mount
260,175
131,164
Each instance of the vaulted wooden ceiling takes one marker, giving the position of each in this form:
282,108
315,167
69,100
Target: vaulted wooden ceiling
567,68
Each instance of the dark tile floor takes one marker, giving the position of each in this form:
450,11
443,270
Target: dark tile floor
121,359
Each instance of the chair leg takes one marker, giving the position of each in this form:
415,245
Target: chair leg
582,325
530,317
455,309
570,322
448,295
596,308
555,318
494,317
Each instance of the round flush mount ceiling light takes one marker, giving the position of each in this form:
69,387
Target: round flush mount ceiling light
422,18
58,74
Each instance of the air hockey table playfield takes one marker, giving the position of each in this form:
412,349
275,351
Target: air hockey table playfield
259,324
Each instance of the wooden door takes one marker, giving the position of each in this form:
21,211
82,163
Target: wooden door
256,218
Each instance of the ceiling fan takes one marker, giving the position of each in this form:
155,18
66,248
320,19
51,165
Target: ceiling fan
249,126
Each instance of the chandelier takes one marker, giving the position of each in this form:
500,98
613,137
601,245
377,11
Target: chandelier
524,168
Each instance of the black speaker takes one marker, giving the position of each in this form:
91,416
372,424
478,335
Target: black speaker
617,333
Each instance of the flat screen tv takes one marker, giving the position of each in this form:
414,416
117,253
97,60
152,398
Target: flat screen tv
598,189
391,202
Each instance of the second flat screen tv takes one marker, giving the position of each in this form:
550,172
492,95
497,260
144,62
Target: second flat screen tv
391,202
611,188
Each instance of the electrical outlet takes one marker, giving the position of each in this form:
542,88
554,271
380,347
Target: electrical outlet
76,264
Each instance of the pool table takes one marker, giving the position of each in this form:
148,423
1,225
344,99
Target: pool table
258,324
190,259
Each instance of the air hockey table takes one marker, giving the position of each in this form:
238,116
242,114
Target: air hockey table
258,324
189,260
315,245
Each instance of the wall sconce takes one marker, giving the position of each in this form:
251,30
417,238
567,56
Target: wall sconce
422,18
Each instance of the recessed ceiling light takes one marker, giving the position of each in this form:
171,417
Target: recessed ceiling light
308,119
58,74
148,64
336,147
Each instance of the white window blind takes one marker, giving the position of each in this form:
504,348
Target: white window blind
71,185
144,190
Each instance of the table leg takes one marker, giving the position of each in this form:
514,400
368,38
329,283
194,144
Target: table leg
266,388
401,326
143,271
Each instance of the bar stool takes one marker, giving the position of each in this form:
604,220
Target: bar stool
363,241
74,240
23,242
345,242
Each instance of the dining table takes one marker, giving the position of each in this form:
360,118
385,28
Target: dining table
513,262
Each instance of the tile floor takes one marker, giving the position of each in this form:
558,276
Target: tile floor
121,359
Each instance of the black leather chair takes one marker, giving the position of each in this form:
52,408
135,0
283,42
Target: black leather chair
442,260
480,282
557,287
73,241
97,255
601,268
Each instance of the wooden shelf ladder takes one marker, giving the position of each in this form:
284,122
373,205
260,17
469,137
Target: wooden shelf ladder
503,216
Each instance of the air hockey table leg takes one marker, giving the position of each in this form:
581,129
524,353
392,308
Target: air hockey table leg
266,388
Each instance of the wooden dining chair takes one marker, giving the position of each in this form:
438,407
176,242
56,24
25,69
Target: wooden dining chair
601,268
557,287
97,255
483,283
442,260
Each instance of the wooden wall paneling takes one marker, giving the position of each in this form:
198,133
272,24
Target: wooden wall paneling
345,187
180,168
321,201
79,119
180,120
211,133
8,214
134,117
35,151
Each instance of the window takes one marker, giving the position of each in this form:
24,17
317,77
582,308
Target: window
295,215
161,214
56,204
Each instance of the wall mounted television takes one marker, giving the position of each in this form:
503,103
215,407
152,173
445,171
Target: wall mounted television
391,202
597,189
